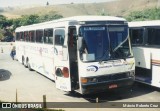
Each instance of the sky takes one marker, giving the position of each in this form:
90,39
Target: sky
13,3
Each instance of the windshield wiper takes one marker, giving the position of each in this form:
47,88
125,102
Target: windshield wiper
118,51
120,45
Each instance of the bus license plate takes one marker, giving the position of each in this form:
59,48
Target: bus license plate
112,86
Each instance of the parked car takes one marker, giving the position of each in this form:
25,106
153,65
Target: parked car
8,39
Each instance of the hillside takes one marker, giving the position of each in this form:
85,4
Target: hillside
115,8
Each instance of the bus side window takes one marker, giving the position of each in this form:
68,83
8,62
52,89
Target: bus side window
26,38
59,36
32,36
39,36
17,36
136,36
48,36
153,36
21,36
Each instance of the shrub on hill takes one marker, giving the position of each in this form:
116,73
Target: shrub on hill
148,14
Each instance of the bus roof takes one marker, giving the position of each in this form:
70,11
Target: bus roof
77,19
93,18
144,23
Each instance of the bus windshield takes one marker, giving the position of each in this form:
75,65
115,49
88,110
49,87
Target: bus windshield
105,42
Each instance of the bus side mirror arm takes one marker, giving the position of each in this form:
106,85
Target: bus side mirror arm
80,40
65,53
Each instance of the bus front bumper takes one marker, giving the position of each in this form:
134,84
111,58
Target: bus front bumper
107,85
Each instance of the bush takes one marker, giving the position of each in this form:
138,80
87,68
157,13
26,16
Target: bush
1,34
9,25
148,14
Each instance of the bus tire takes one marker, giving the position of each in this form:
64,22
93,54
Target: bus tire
22,60
72,92
28,65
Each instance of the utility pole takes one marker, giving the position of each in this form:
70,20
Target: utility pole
47,3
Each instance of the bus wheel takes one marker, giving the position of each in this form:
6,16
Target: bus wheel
22,60
26,65
29,66
72,92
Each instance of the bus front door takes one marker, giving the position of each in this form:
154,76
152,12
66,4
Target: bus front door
73,63
61,60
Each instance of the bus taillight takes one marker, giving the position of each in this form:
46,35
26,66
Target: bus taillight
65,72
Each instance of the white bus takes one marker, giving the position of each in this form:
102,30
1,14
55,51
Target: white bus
145,39
87,54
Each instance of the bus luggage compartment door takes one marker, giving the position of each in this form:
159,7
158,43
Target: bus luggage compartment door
142,57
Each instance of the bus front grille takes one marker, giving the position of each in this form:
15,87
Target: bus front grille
112,77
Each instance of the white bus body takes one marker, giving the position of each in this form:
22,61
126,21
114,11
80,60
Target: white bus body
145,39
88,54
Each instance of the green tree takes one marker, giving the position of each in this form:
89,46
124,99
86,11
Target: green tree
16,23
148,14
32,19
28,20
2,21
8,26
50,16
1,34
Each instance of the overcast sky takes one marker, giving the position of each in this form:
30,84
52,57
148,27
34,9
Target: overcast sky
12,3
